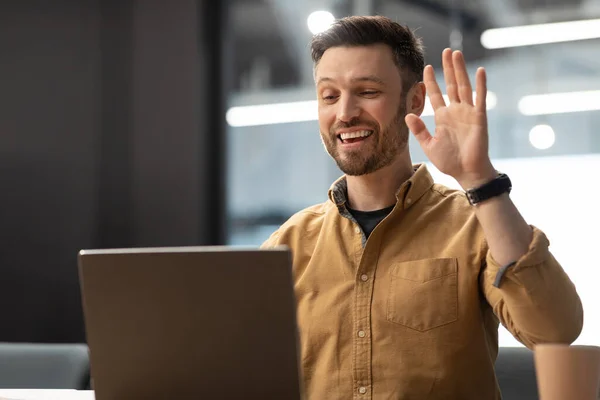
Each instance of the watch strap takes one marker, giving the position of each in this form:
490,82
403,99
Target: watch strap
497,186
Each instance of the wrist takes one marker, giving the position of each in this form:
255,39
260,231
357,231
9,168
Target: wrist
475,180
491,189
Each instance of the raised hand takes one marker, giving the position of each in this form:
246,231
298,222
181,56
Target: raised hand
459,146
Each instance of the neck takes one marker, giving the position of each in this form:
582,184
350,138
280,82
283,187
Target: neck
377,190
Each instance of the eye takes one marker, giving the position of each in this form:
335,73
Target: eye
369,93
329,98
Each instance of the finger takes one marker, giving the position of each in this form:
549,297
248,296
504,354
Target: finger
465,91
449,77
433,89
418,128
481,89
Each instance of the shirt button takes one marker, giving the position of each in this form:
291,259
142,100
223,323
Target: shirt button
408,201
357,229
364,277
362,390
361,334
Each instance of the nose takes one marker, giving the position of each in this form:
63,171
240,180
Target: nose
348,109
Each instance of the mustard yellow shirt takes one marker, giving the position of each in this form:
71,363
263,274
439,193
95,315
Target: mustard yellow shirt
412,312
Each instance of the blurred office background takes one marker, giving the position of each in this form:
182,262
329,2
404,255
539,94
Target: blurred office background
147,123
549,145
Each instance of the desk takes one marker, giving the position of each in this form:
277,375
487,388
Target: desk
46,394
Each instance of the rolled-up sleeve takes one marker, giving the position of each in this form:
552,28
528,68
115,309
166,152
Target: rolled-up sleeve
534,298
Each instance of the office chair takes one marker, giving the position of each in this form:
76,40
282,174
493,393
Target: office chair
44,366
515,371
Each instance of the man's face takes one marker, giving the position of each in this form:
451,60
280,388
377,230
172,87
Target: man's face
361,107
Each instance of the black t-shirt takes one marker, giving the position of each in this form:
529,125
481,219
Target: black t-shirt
368,220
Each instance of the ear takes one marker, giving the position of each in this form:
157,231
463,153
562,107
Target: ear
415,99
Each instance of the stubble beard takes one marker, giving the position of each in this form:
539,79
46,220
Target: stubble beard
383,148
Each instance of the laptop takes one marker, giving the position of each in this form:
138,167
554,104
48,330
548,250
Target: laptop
190,323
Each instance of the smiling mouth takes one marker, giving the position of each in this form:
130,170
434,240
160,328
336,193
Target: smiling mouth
354,137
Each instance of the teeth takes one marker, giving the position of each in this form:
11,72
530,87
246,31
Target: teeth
352,135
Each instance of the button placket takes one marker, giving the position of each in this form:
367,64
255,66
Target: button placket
362,337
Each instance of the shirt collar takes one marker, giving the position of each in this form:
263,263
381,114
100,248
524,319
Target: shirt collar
407,194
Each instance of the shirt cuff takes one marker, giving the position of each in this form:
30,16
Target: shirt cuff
536,254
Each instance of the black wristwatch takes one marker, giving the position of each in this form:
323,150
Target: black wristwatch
497,186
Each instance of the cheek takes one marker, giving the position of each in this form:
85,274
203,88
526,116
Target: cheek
326,118
384,114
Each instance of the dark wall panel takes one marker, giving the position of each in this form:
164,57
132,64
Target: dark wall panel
165,129
110,136
49,126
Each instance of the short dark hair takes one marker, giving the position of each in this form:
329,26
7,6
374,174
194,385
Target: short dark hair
407,48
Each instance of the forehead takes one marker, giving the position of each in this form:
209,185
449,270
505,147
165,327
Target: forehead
344,64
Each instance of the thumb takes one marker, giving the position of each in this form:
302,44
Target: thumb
418,128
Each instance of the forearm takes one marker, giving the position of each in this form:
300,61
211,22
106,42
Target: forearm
506,232
534,298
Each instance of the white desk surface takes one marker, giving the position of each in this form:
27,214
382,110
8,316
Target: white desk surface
46,394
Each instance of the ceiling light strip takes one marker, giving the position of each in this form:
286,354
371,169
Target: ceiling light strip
559,103
528,35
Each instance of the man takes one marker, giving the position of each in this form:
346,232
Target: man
401,283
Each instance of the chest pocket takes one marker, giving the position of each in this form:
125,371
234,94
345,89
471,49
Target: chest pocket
423,294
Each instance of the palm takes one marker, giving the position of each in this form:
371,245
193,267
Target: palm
459,147
460,139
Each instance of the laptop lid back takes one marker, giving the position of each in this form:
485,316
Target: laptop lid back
195,322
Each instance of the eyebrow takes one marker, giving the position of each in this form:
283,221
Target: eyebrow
367,78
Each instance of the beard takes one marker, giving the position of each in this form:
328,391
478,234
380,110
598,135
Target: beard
381,150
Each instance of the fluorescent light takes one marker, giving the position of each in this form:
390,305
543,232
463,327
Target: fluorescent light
320,21
300,111
268,114
558,103
539,34
542,136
